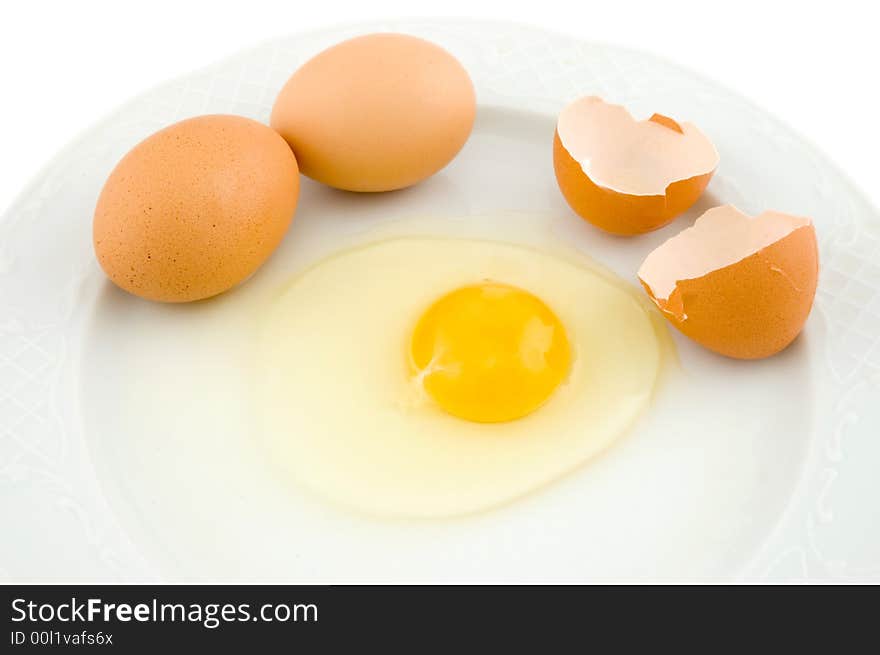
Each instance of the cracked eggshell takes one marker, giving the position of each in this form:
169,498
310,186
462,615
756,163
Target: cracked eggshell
195,208
626,176
377,112
741,286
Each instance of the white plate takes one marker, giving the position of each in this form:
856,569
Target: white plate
126,449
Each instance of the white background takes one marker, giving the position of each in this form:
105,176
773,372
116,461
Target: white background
64,65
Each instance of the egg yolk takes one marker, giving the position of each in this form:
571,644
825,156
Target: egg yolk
489,352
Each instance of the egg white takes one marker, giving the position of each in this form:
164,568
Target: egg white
343,418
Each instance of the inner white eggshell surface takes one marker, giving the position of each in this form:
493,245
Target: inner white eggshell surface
639,158
720,237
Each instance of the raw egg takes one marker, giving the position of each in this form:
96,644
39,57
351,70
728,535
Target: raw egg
490,352
742,286
424,377
195,208
627,176
376,113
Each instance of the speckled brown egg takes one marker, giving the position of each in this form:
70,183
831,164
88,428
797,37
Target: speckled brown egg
195,208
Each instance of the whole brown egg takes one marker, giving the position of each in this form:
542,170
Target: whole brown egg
377,112
195,208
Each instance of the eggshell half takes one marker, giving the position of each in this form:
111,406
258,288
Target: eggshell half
626,176
195,208
376,113
739,285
